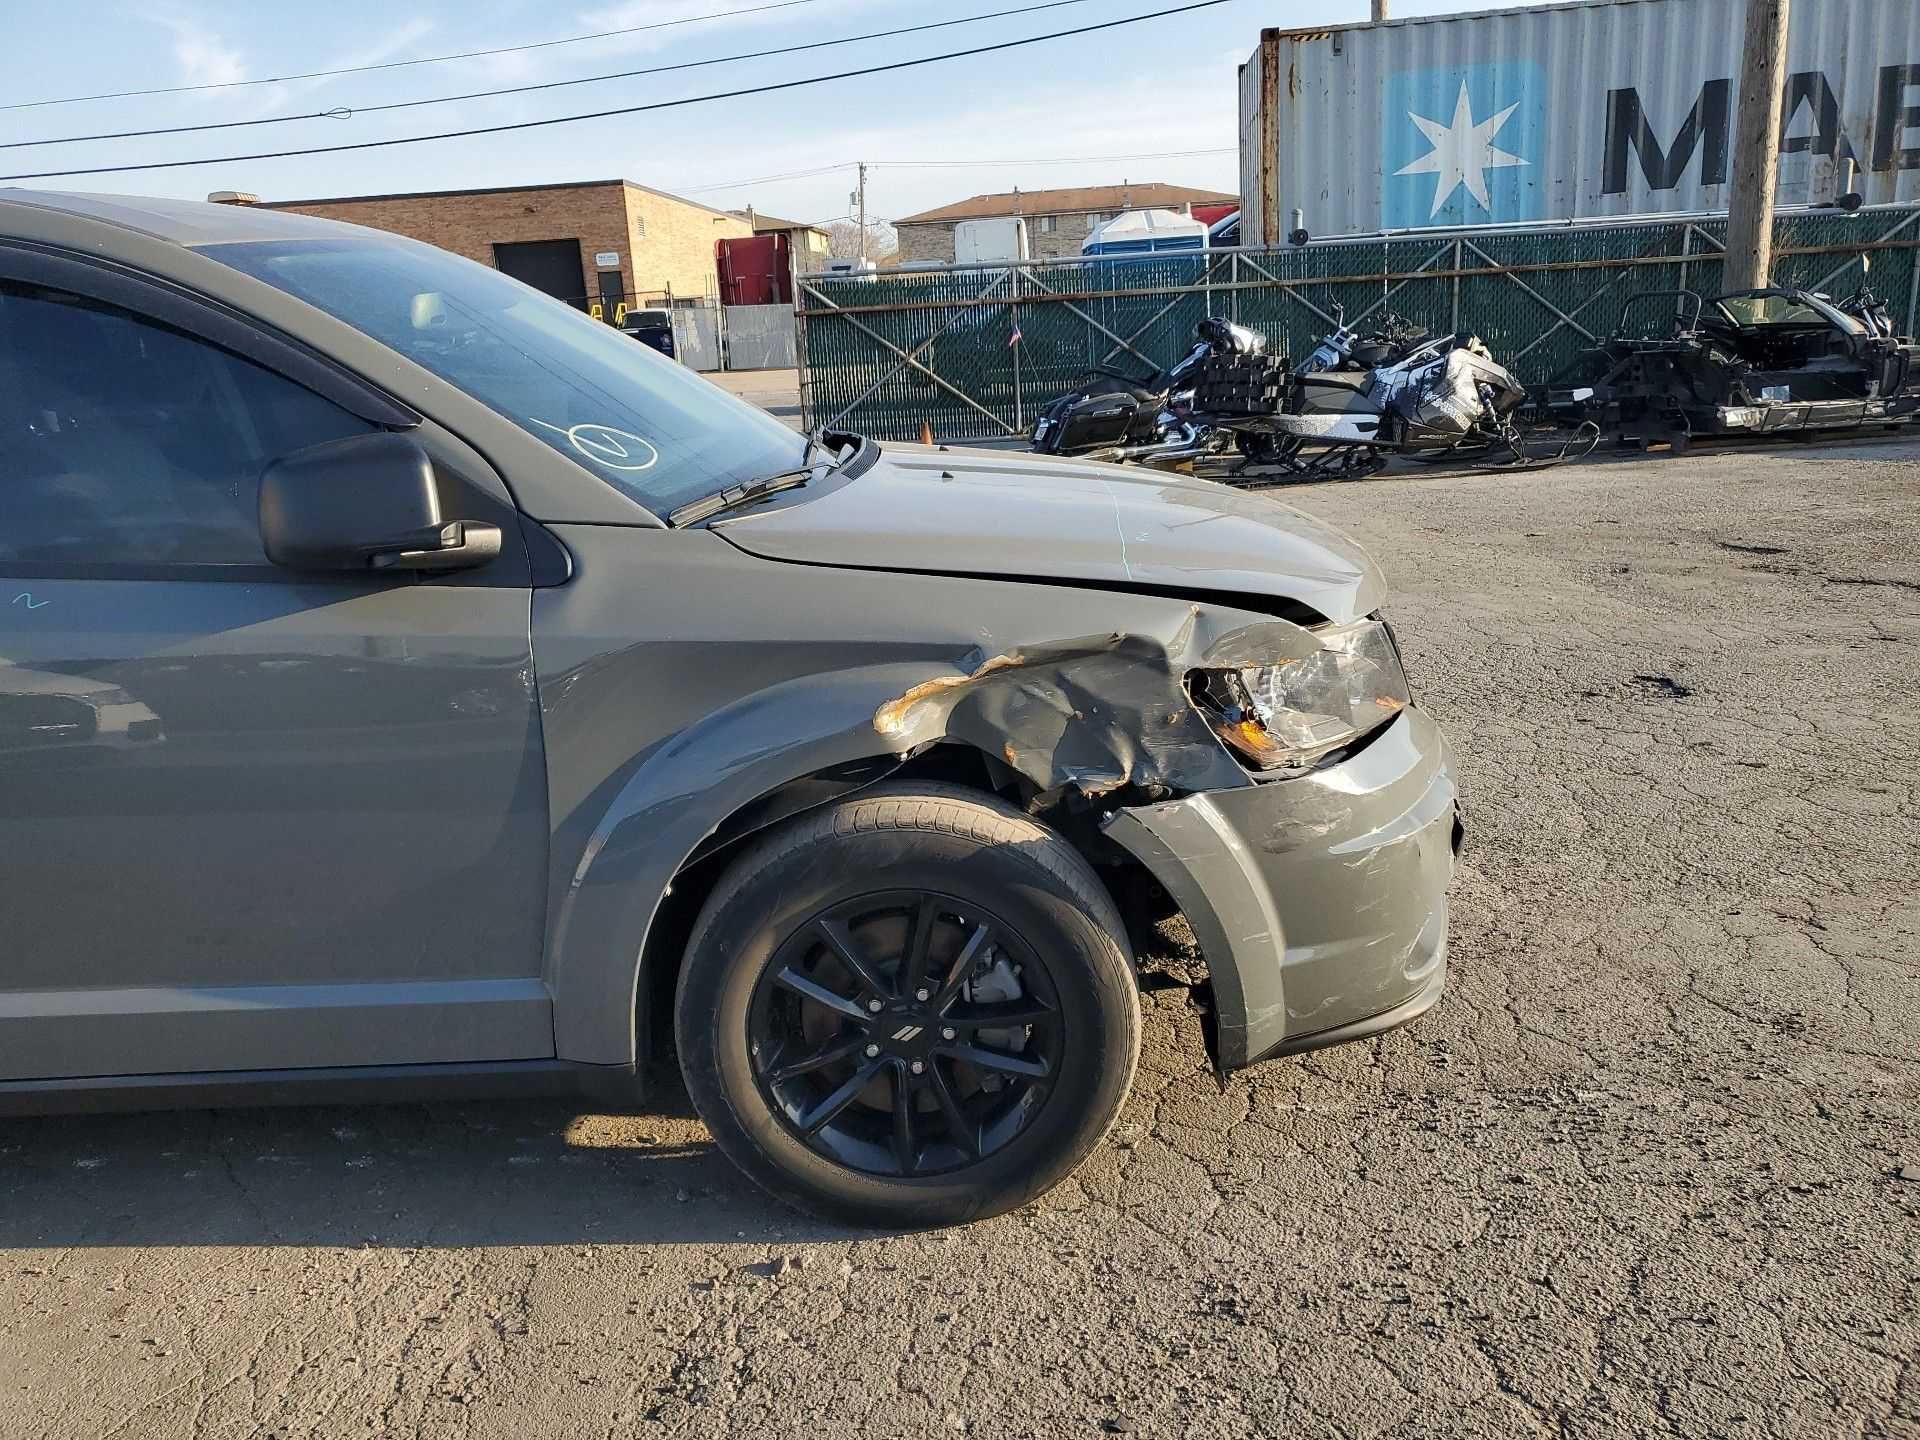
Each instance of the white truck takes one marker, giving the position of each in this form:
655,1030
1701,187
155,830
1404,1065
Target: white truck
990,242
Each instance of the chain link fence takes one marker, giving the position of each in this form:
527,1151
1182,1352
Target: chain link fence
973,352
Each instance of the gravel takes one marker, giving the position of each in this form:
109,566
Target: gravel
1652,1167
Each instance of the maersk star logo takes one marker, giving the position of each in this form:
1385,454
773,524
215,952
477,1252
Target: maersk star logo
1462,152
1464,145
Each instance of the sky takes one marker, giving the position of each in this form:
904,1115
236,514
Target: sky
1127,104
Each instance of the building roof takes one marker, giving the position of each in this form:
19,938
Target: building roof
764,222
499,190
1146,194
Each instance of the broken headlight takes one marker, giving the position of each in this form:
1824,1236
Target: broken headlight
1291,712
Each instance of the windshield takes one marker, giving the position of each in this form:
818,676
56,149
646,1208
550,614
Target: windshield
642,423
1784,310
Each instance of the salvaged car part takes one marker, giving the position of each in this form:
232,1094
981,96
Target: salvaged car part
1754,362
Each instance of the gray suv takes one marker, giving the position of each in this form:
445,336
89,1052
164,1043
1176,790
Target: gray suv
413,687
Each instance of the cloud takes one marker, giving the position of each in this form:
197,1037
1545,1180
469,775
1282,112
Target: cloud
722,15
203,55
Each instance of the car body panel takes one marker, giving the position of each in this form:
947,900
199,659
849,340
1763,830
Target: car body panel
682,679
343,817
1319,900
983,512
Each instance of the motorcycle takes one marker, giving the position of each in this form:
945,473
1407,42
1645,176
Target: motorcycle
1397,390
1155,420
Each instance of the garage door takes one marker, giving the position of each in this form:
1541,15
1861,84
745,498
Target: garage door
549,265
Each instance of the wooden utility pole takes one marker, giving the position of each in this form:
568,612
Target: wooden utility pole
1756,146
1379,10
862,194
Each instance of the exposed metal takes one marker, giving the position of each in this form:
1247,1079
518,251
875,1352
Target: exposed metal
1607,109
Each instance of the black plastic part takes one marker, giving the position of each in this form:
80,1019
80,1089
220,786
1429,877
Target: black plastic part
343,1085
548,558
367,502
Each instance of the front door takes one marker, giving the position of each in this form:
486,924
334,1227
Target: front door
248,819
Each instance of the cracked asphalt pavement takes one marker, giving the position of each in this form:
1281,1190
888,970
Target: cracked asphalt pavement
1651,1168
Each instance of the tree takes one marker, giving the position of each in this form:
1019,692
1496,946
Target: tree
843,240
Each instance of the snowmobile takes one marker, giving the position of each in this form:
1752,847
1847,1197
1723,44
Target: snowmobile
1397,390
1162,419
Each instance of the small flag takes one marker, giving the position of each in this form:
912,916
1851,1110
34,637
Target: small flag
1014,339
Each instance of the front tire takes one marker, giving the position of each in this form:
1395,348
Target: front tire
908,1008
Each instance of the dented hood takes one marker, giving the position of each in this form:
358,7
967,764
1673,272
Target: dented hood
1021,516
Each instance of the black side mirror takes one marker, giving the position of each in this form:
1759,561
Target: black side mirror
369,502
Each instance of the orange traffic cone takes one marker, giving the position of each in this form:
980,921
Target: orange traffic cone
926,433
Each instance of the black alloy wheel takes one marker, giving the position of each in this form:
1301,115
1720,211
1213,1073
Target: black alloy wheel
910,1006
905,1033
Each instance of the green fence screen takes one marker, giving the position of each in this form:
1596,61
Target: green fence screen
972,353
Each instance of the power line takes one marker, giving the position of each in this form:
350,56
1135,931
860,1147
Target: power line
623,110
404,64
767,179
955,164
1051,160
344,112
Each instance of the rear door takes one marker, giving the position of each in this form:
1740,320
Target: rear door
248,819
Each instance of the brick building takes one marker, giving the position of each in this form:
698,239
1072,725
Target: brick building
585,241
1057,220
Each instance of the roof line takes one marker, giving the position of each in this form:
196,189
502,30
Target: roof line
492,190
1188,193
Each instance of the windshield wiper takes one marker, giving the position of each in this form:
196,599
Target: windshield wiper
707,506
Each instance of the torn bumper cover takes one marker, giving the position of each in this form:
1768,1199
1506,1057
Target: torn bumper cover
1319,901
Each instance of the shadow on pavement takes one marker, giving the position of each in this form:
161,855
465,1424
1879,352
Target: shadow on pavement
475,1173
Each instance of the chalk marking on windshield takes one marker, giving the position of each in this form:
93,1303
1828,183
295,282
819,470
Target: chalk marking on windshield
604,445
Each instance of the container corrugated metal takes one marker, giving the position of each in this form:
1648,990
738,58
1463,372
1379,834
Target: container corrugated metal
1555,112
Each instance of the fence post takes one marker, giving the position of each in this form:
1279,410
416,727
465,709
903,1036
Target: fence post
805,375
1019,410
1459,264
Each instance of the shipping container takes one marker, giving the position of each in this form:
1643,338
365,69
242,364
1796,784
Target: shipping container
1556,112
755,269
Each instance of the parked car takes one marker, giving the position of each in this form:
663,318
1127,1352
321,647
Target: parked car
536,714
651,327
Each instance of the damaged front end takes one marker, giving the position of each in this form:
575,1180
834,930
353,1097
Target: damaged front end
1273,778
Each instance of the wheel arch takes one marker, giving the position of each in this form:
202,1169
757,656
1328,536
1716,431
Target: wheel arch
658,843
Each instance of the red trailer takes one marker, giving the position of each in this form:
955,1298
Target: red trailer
755,270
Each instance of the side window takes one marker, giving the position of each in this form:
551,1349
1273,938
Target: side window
125,442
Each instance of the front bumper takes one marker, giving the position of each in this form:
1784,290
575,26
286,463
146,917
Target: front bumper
1319,901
